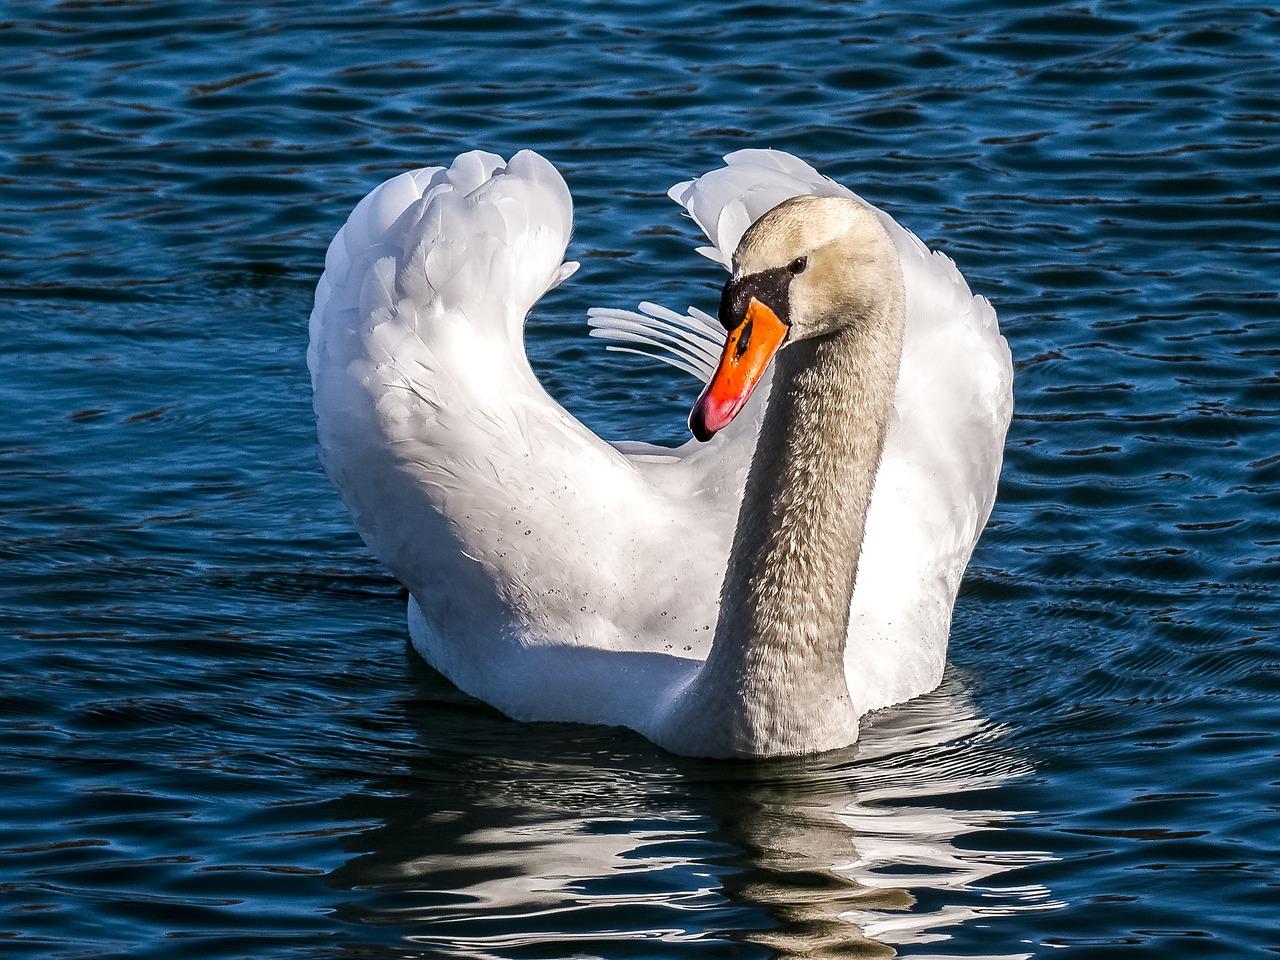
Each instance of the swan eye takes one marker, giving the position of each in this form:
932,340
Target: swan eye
797,265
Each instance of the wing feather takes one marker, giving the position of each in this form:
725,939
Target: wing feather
690,342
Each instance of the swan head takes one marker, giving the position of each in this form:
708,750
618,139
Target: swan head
807,268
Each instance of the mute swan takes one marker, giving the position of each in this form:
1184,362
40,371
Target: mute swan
560,577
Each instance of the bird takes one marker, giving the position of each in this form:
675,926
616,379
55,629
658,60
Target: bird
753,592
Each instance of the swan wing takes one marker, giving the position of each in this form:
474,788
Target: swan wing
519,533
937,479
936,484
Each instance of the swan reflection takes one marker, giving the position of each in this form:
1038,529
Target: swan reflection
507,840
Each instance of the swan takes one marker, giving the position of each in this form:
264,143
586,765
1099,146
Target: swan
751,593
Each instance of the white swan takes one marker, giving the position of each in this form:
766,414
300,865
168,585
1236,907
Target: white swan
559,577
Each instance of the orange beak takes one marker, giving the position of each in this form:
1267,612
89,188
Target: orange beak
747,352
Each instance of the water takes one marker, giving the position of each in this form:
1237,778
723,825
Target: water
214,740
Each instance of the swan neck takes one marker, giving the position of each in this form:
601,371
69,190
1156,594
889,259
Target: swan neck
774,681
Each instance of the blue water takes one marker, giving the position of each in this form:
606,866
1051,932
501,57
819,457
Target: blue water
214,740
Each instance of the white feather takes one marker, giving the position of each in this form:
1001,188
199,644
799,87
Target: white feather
562,578
690,342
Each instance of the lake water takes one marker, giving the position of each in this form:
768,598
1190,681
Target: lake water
214,739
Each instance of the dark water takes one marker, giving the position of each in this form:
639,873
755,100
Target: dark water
214,741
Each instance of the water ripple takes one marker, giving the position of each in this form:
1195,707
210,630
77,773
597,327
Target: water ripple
213,739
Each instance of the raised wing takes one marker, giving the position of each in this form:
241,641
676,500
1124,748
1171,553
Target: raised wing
513,526
943,450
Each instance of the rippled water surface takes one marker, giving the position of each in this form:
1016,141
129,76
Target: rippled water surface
214,741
